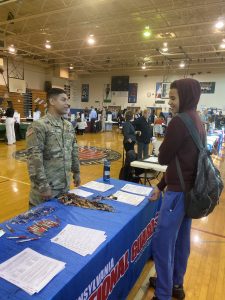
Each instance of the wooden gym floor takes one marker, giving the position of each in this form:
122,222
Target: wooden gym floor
205,277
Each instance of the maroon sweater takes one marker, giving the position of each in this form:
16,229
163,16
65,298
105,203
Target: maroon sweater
179,142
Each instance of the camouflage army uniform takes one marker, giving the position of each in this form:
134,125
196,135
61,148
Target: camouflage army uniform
52,156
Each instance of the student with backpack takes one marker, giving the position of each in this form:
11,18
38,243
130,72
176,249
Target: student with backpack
182,201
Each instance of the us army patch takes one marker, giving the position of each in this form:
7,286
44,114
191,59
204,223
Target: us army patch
30,131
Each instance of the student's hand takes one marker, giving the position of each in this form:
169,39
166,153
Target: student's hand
129,140
46,195
155,194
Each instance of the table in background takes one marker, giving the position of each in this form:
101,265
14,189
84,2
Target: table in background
109,125
23,130
147,166
97,126
126,230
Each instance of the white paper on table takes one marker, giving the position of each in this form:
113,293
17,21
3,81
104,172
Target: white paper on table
2,232
137,189
152,159
129,198
81,240
80,192
30,270
98,186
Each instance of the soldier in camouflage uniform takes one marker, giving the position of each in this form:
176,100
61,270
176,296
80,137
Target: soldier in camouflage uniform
52,151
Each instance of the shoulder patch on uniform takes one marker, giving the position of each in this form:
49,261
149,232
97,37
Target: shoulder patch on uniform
30,131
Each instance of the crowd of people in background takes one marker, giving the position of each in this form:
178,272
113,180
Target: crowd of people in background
145,122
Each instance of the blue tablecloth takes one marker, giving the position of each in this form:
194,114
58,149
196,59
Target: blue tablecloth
114,267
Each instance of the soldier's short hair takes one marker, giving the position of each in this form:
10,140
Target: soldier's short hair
54,92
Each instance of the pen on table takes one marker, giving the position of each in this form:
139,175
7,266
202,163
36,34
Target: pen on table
28,240
17,237
10,228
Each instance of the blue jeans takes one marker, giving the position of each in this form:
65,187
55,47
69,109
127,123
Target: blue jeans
171,244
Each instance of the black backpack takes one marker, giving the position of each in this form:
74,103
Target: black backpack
201,200
127,172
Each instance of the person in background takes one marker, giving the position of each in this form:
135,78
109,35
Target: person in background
205,119
103,119
52,151
81,125
219,120
86,113
152,117
114,115
36,114
162,116
137,113
92,118
158,126
16,117
120,118
143,126
9,124
171,239
204,116
169,118
129,133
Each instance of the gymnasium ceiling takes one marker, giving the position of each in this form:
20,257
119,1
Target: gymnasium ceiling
117,25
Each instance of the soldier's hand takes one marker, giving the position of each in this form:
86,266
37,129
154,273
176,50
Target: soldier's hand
46,195
76,180
155,194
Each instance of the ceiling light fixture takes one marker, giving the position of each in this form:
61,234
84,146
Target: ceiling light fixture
71,67
143,67
165,47
91,40
182,64
12,49
147,32
48,45
219,24
222,46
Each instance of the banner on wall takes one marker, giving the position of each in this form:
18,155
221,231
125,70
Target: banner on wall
162,90
132,93
84,92
158,90
208,87
107,94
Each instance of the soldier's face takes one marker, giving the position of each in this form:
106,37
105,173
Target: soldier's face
60,104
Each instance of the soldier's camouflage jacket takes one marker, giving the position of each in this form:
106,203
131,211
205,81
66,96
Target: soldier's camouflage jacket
52,156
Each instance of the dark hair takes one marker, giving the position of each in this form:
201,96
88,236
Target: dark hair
129,115
161,115
54,92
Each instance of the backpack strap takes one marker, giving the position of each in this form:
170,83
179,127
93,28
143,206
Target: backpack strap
196,138
180,175
192,130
